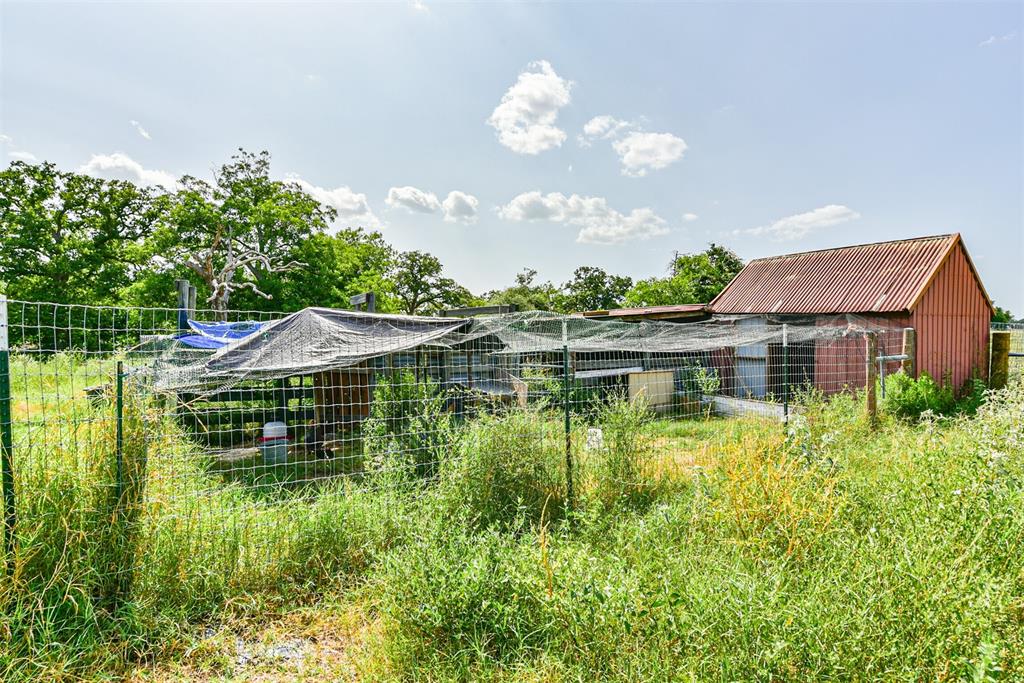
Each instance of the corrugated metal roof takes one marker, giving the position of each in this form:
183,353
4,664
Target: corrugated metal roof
648,311
886,277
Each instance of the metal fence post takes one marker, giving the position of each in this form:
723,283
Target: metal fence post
119,444
785,373
568,416
6,437
183,288
871,382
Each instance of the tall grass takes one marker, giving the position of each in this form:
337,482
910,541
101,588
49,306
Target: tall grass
837,553
833,551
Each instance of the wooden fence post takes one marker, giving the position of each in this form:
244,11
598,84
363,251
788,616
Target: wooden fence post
909,350
871,383
999,375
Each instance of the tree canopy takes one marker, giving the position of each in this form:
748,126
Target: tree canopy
693,279
241,231
69,237
421,287
251,241
527,295
592,288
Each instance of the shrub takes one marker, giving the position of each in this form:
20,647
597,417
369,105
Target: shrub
409,430
908,398
622,465
509,467
453,593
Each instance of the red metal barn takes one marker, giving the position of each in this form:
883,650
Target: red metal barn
928,283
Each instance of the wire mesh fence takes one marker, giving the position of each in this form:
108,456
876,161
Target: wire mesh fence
210,445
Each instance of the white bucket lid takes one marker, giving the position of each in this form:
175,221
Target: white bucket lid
275,430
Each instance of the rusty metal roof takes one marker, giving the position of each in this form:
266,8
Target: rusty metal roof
885,277
649,311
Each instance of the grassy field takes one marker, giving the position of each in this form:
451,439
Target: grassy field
694,550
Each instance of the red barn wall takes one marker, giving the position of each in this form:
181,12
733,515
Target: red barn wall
841,364
952,321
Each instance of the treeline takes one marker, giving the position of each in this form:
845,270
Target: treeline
251,242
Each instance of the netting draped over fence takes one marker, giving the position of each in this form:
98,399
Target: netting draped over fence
198,435
319,340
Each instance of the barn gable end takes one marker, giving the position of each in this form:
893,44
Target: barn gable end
952,318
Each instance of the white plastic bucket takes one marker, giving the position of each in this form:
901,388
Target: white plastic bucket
274,443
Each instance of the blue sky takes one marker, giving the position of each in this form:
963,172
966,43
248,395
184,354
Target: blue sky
472,130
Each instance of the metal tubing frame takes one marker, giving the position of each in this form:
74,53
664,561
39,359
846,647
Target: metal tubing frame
566,388
119,448
785,373
7,438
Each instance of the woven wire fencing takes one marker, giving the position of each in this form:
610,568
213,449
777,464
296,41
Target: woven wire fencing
219,443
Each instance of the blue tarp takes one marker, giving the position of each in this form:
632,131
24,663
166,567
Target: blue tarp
217,335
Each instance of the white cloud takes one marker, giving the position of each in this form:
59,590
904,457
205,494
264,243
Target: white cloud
641,152
602,127
122,167
457,206
460,206
413,199
139,129
802,224
525,119
993,39
22,156
598,222
311,79
420,6
5,139
353,208
690,217
638,151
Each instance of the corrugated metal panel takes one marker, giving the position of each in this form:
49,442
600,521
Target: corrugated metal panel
952,322
887,277
652,310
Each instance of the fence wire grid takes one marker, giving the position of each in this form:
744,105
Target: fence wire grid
219,438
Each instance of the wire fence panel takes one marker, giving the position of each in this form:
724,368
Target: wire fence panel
182,459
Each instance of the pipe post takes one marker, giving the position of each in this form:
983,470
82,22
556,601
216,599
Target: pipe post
871,382
6,438
785,373
566,390
119,439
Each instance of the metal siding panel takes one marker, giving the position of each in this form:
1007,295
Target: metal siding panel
952,323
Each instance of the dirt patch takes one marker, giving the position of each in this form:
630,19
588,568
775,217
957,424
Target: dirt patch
311,644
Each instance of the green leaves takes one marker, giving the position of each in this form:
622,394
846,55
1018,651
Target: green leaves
593,289
70,237
421,287
695,279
